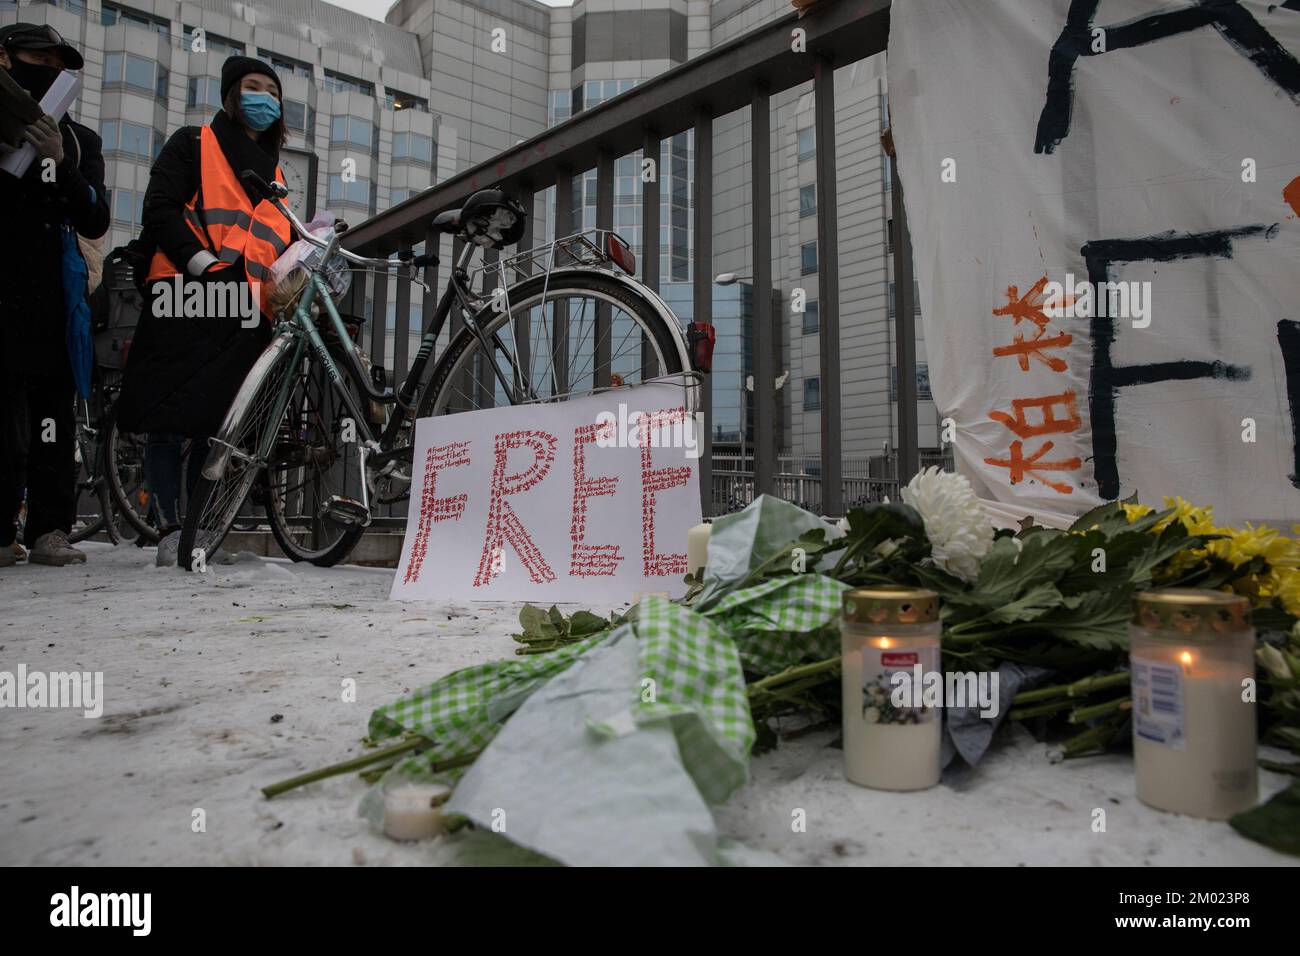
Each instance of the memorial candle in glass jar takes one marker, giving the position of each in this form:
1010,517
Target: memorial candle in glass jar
891,740
1190,653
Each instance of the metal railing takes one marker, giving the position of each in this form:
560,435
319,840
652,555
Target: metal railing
742,74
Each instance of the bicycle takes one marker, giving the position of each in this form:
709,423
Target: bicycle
300,420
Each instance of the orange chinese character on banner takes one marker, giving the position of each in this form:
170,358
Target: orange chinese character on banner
1020,466
1030,306
1033,348
1050,424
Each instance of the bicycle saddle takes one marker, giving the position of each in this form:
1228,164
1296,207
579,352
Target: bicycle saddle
448,221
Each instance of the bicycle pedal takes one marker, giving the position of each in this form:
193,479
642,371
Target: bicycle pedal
346,511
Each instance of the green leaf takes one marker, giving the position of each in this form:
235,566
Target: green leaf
1009,570
584,624
1035,602
1275,824
1100,619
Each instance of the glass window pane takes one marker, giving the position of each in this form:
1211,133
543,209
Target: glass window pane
807,201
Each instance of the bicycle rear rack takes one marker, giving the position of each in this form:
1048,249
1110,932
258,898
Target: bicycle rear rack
588,248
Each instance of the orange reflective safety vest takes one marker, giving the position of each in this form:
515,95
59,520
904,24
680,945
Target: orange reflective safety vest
228,225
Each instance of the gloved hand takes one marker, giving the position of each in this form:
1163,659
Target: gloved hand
46,138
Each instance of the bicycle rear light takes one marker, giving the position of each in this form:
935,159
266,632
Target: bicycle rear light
701,336
621,253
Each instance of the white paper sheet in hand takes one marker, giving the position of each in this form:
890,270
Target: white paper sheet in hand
61,94
563,501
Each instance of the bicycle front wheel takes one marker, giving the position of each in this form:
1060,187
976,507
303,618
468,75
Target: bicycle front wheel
315,462
123,471
233,463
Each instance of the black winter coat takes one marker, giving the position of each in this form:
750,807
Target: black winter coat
33,322
183,373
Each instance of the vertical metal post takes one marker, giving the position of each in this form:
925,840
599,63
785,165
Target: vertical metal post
828,289
463,389
764,349
650,198
402,324
432,244
379,322
487,380
522,325
604,220
909,457
560,310
702,286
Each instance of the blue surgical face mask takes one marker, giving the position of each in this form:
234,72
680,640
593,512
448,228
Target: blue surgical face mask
260,110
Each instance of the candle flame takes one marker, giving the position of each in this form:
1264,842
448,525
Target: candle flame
1186,658
884,642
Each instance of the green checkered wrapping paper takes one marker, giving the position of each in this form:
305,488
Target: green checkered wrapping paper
694,662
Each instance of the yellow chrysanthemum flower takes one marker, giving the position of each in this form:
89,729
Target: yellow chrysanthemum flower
1133,512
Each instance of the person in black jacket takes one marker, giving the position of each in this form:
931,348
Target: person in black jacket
183,372
65,184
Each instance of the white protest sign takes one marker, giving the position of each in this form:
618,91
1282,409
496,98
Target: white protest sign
1104,200
586,500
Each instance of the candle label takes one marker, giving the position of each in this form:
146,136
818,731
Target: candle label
1158,702
883,697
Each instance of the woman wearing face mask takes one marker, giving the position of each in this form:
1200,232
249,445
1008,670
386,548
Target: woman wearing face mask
208,226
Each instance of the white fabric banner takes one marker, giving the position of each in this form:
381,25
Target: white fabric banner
1104,202
570,501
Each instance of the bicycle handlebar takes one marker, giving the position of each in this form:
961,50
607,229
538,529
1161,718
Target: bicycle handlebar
275,192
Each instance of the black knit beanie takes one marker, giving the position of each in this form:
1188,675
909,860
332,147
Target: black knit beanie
237,67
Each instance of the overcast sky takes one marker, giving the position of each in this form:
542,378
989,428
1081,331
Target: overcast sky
377,8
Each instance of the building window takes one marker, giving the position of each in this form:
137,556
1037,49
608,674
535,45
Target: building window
135,73
811,317
341,83
812,394
414,147
213,43
396,100
128,208
285,64
72,6
111,14
356,192
807,143
203,91
889,235
400,194
349,130
888,174
922,382
808,258
916,299
807,201
130,140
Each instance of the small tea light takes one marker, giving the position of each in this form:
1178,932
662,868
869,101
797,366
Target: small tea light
412,811
1190,652
885,631
697,548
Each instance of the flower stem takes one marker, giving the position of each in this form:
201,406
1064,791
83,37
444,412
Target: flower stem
347,766
1080,688
1081,714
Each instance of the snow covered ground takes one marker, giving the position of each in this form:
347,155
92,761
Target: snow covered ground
218,684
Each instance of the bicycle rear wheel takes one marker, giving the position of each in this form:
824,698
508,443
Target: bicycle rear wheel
233,465
90,478
123,470
569,334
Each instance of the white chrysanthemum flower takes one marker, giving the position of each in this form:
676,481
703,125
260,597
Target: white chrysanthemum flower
960,533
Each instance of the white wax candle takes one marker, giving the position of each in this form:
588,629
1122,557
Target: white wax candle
1194,737
884,747
697,547
410,812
